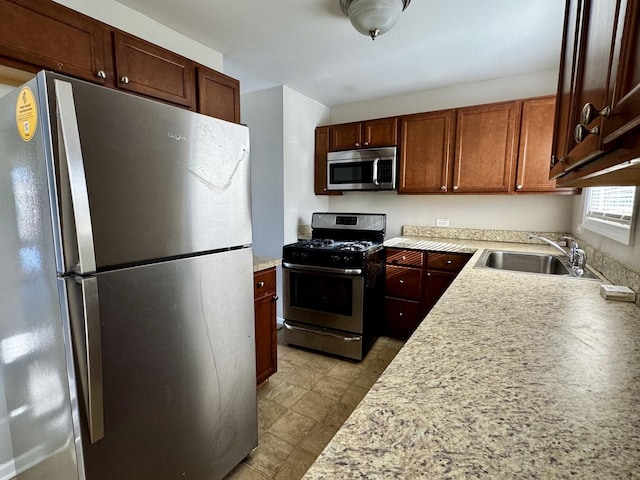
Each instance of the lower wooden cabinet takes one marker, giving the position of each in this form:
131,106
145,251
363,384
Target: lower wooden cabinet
415,281
264,293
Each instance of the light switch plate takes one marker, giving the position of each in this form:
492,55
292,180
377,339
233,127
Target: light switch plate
442,222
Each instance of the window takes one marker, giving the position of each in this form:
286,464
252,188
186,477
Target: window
610,212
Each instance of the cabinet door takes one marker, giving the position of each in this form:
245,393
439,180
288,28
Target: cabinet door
401,317
436,284
346,136
144,68
534,154
264,290
590,48
486,148
320,166
218,95
380,133
624,81
53,37
403,282
426,151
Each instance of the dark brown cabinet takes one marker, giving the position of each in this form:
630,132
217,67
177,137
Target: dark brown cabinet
264,292
598,113
426,152
218,95
486,148
42,34
415,281
381,132
144,68
320,163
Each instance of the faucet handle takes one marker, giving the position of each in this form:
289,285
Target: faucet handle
571,242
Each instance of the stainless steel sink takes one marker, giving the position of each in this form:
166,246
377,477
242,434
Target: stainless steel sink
539,263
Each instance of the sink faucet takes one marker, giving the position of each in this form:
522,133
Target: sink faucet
577,256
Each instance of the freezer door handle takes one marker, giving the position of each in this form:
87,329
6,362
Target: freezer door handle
70,149
91,375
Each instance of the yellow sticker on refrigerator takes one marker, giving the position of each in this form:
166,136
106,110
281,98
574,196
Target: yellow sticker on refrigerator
26,114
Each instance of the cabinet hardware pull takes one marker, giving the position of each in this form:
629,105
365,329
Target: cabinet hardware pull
101,74
260,284
366,143
581,132
403,257
275,298
519,187
357,144
455,187
400,314
448,262
401,281
443,188
589,113
124,80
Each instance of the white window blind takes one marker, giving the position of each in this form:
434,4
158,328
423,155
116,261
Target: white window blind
609,211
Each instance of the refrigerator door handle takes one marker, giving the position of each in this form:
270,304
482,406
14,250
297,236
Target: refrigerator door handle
72,152
92,379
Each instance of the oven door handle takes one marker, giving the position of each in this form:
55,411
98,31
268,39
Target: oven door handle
313,268
354,338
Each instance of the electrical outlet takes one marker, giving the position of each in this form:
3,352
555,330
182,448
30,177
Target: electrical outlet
442,222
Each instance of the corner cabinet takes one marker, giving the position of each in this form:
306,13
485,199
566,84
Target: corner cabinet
264,294
320,163
415,281
596,140
372,133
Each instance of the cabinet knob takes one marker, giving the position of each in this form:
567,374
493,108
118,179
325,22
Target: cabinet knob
101,74
275,298
404,257
366,143
455,187
449,262
443,188
428,274
519,187
401,281
124,79
357,144
589,113
400,314
260,284
581,132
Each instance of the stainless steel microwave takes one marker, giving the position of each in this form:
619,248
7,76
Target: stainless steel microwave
364,169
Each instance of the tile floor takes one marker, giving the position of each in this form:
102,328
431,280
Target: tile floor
304,404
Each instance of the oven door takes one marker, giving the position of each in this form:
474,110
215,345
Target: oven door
325,297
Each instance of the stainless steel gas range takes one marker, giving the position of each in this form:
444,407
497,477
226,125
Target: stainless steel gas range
333,284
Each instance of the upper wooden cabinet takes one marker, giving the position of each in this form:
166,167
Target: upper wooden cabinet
320,163
426,152
486,148
372,133
142,67
41,34
50,36
596,124
218,95
534,153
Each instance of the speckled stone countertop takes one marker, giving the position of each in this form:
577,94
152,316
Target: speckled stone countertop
511,375
262,263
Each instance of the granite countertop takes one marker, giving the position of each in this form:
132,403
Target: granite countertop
511,375
262,263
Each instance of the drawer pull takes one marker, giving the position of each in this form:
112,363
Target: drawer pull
449,262
404,257
400,314
275,298
401,281
124,80
260,284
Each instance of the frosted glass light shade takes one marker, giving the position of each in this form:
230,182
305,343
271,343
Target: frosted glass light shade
374,17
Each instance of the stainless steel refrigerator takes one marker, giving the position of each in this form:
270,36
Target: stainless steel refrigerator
126,294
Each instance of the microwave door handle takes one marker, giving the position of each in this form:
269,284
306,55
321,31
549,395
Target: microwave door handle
70,149
375,171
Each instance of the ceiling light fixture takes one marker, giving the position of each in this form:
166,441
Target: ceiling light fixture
373,17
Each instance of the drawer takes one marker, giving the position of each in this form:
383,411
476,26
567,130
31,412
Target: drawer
447,261
403,282
409,258
264,283
401,317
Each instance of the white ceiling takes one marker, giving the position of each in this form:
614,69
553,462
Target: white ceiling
310,46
